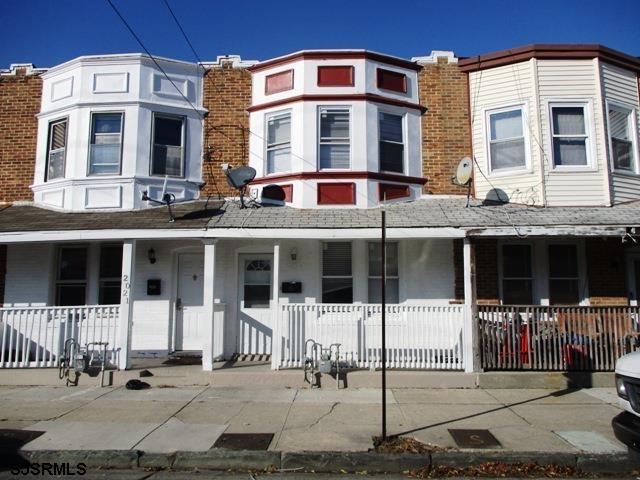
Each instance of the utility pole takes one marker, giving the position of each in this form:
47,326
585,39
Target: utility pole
383,246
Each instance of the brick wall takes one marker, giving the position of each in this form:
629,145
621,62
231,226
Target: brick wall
19,103
606,270
486,270
446,137
227,95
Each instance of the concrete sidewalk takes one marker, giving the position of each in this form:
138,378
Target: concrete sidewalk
165,420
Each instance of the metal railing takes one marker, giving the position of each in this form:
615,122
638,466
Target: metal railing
418,336
559,338
35,336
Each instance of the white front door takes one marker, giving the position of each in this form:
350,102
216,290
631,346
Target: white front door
190,311
255,293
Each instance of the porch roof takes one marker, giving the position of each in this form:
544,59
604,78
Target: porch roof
214,217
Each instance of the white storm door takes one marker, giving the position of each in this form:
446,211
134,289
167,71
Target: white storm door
254,296
190,310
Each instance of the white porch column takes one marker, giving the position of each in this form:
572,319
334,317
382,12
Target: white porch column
470,335
126,302
213,330
275,329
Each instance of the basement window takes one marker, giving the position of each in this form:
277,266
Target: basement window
56,149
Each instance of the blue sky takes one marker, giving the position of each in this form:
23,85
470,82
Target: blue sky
48,32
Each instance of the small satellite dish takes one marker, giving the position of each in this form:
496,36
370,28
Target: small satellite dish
463,175
239,178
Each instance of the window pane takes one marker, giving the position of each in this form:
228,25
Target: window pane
336,259
517,292
56,165
334,156
106,123
568,120
337,290
73,264
564,292
622,154
509,154
506,124
58,135
111,261
68,295
375,295
168,131
109,293
391,157
334,124
619,124
516,261
257,296
104,158
279,129
569,151
391,127
167,160
563,261
375,259
279,160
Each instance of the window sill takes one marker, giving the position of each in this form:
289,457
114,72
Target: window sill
585,169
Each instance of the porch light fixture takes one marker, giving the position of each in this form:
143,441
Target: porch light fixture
151,255
294,254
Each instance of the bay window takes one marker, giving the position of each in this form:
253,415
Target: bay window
569,133
335,138
622,138
375,273
391,143
279,143
105,150
507,150
337,276
56,149
168,146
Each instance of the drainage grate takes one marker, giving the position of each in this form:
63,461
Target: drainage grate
244,441
467,438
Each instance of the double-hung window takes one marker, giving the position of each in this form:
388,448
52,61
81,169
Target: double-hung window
56,149
110,274
335,138
168,146
105,150
622,138
564,276
337,277
507,149
375,273
71,278
391,143
569,133
279,143
517,275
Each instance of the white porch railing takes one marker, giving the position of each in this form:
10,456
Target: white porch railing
418,336
35,336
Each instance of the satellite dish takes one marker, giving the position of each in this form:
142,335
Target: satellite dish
463,172
239,178
463,175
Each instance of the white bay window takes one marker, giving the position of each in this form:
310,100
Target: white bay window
279,143
56,149
622,138
335,143
570,135
168,146
506,132
105,150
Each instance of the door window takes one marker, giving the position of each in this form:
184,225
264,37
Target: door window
257,283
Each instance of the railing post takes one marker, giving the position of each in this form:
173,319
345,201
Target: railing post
209,352
277,314
126,302
471,349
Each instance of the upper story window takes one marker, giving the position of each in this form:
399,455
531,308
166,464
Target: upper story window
517,274
390,80
279,143
105,150
622,138
391,143
278,82
56,149
506,139
335,143
375,273
168,146
336,76
569,132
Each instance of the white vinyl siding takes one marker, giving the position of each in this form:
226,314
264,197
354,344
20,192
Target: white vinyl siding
278,143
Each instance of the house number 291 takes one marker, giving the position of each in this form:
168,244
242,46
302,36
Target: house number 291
126,288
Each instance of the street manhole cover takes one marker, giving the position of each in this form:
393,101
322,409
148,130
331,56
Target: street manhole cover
244,441
467,438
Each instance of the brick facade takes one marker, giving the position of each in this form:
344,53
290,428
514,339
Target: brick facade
606,271
446,135
19,103
227,95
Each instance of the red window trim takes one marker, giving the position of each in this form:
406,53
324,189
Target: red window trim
362,97
380,72
334,68
328,175
278,74
349,189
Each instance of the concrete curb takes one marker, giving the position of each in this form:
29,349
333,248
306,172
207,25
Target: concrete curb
327,462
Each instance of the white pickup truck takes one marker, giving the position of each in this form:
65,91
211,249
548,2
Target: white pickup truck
626,426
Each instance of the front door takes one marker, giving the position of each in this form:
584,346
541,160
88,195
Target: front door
633,278
190,312
255,293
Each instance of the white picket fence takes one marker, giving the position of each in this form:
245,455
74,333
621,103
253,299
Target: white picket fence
35,336
417,336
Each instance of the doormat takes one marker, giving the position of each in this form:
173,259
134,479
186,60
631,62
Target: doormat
467,438
244,441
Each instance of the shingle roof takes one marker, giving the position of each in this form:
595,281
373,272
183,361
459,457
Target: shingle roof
425,213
